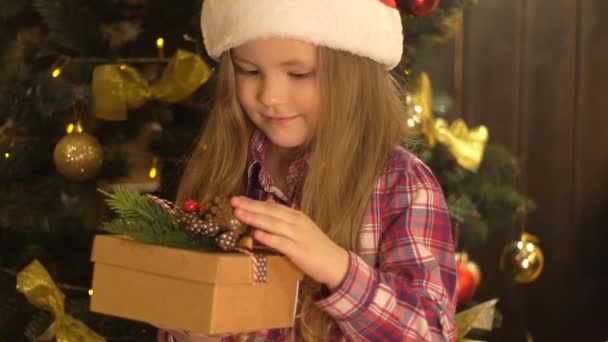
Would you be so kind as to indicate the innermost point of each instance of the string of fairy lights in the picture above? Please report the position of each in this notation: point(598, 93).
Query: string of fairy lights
point(75, 125)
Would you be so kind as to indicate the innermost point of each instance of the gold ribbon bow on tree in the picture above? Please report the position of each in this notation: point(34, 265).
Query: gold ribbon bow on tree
point(118, 88)
point(40, 290)
point(466, 145)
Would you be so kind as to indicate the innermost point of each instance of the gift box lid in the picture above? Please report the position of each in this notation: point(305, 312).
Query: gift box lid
point(198, 266)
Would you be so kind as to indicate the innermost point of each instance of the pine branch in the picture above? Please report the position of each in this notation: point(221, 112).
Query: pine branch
point(140, 231)
point(131, 205)
point(51, 209)
point(146, 221)
point(471, 228)
point(71, 25)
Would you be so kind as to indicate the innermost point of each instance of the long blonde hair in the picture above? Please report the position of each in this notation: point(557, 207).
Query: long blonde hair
point(361, 122)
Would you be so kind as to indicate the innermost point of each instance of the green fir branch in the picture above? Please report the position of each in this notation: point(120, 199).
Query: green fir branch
point(433, 27)
point(484, 201)
point(131, 205)
point(145, 220)
point(71, 25)
point(471, 228)
point(140, 231)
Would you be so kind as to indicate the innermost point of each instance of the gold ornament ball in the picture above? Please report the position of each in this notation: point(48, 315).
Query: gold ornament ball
point(523, 260)
point(78, 156)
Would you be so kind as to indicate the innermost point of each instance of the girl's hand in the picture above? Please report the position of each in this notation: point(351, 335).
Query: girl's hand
point(292, 233)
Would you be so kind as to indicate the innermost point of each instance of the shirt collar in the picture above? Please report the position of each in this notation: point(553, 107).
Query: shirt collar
point(257, 146)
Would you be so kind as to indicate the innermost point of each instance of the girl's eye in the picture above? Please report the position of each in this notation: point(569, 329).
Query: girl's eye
point(250, 72)
point(300, 75)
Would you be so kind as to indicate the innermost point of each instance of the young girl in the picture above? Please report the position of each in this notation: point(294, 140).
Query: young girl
point(305, 132)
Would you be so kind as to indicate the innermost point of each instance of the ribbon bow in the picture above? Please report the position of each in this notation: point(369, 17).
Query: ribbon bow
point(40, 290)
point(118, 88)
point(466, 145)
point(481, 317)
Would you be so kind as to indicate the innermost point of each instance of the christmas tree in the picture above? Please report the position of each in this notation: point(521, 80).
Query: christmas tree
point(59, 58)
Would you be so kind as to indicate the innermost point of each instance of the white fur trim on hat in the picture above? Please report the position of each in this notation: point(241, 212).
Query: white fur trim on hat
point(366, 28)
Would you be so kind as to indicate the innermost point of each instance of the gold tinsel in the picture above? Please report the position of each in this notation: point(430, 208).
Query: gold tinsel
point(466, 145)
point(40, 290)
point(118, 88)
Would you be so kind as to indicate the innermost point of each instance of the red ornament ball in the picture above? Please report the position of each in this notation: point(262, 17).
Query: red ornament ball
point(466, 284)
point(389, 3)
point(190, 206)
point(421, 8)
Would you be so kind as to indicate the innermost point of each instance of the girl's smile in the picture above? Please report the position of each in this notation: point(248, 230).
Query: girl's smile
point(281, 121)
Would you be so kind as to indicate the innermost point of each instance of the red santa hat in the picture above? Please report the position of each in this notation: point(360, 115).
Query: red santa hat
point(368, 28)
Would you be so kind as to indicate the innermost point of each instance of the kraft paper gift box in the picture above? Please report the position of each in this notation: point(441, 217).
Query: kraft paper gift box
point(204, 292)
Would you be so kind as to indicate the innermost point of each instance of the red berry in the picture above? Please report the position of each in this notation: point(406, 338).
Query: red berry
point(190, 206)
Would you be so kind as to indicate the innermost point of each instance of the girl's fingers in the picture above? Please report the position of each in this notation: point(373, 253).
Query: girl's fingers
point(266, 208)
point(280, 243)
point(264, 222)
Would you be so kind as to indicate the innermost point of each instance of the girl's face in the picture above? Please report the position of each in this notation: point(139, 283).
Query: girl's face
point(277, 87)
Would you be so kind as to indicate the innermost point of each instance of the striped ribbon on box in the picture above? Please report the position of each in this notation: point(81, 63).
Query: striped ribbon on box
point(259, 260)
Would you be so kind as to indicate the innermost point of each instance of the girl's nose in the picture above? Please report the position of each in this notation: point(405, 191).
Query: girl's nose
point(273, 92)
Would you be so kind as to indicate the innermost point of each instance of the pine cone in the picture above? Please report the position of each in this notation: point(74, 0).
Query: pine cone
point(227, 240)
point(221, 211)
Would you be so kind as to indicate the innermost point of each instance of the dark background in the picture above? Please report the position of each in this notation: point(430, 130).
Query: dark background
point(535, 72)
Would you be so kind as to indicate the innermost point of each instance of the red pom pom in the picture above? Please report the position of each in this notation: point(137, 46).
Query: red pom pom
point(190, 206)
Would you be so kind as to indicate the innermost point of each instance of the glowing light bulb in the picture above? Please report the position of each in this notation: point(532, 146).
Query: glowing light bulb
point(153, 169)
point(530, 247)
point(153, 172)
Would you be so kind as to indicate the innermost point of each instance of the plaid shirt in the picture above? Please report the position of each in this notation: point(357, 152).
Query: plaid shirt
point(401, 284)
